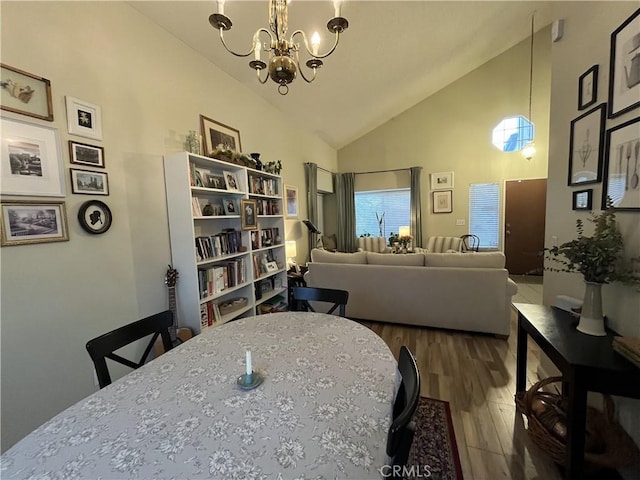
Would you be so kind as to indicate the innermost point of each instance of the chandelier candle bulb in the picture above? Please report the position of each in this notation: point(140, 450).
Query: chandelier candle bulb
point(221, 7)
point(257, 49)
point(336, 7)
point(249, 367)
point(315, 42)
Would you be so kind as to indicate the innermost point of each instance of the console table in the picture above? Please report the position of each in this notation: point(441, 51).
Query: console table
point(587, 363)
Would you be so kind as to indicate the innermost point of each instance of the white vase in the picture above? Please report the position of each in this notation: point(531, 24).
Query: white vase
point(591, 319)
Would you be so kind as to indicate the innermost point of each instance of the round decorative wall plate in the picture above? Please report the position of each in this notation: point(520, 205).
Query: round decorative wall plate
point(94, 216)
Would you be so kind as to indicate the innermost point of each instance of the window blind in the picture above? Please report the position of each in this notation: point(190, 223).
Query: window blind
point(394, 204)
point(484, 213)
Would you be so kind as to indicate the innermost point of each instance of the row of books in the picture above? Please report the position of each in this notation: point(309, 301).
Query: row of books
point(217, 278)
point(265, 237)
point(227, 242)
point(263, 186)
point(209, 314)
point(268, 207)
point(273, 305)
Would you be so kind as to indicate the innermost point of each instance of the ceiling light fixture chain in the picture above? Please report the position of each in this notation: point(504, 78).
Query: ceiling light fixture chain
point(284, 60)
point(530, 150)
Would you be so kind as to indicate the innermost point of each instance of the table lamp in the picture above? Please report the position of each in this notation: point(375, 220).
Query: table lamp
point(291, 251)
point(402, 231)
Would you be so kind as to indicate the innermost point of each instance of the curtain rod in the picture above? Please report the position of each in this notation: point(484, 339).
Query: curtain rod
point(384, 171)
point(320, 168)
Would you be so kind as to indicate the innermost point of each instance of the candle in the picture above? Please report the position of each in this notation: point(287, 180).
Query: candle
point(315, 44)
point(336, 7)
point(257, 49)
point(221, 7)
point(249, 368)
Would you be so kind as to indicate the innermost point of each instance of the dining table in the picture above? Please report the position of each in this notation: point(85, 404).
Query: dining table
point(323, 409)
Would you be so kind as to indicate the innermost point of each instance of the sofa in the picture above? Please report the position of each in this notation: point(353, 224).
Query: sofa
point(459, 291)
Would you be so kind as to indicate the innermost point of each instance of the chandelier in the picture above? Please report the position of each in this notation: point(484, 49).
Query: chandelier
point(283, 61)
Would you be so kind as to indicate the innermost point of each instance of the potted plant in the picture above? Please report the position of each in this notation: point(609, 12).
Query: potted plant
point(600, 259)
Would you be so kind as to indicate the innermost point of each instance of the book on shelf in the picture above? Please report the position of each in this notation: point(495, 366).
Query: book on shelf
point(273, 305)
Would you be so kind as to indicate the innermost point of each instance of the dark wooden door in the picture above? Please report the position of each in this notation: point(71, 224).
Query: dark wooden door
point(524, 212)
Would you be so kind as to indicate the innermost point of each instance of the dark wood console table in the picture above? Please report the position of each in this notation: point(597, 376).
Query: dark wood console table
point(587, 363)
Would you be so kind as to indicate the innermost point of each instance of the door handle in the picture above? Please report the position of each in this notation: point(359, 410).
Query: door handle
point(508, 232)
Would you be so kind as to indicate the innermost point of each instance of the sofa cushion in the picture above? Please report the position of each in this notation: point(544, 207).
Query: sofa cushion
point(472, 260)
point(324, 256)
point(444, 244)
point(407, 260)
point(330, 242)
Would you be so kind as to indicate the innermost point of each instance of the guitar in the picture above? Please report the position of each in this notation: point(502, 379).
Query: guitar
point(178, 335)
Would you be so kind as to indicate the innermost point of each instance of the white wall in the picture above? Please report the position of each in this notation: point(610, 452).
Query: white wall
point(451, 131)
point(586, 42)
point(152, 89)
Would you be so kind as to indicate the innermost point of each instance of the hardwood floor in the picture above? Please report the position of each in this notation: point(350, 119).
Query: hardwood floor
point(475, 373)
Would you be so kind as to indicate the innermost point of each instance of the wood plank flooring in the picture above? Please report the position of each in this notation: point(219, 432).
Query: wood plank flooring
point(475, 373)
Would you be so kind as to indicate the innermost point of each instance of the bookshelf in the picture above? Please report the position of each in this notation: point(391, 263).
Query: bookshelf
point(225, 272)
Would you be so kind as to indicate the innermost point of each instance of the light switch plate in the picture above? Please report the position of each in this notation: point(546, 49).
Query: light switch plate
point(460, 221)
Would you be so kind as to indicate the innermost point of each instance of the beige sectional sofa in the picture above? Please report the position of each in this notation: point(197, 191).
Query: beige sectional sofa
point(460, 291)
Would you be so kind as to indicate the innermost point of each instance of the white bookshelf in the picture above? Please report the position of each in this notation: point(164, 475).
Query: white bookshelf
point(186, 224)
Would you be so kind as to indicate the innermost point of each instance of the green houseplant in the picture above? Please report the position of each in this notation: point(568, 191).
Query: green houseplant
point(600, 259)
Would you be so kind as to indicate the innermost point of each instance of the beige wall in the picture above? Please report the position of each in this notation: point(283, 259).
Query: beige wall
point(588, 27)
point(451, 131)
point(151, 88)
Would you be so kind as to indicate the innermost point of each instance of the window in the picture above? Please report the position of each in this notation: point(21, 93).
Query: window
point(484, 214)
point(394, 204)
point(512, 134)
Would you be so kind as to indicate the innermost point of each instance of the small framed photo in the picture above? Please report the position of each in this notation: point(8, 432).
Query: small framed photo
point(272, 267)
point(84, 119)
point(588, 88)
point(249, 209)
point(586, 147)
point(86, 182)
point(26, 222)
point(622, 166)
point(441, 181)
point(230, 206)
point(31, 160)
point(84, 154)
point(291, 201)
point(231, 181)
point(582, 199)
point(25, 93)
point(624, 67)
point(213, 180)
point(219, 136)
point(442, 201)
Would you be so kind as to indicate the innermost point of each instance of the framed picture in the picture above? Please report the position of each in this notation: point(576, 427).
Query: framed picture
point(26, 222)
point(95, 217)
point(230, 206)
point(582, 199)
point(213, 180)
point(622, 166)
point(87, 182)
point(588, 88)
point(218, 135)
point(272, 267)
point(31, 160)
point(586, 147)
point(441, 181)
point(624, 67)
point(25, 93)
point(231, 181)
point(248, 215)
point(442, 201)
point(84, 119)
point(291, 201)
point(84, 154)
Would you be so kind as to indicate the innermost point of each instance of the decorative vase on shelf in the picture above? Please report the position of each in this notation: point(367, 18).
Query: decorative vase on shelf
point(256, 157)
point(591, 319)
point(192, 142)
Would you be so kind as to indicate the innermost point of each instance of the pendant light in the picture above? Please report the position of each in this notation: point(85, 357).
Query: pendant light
point(530, 150)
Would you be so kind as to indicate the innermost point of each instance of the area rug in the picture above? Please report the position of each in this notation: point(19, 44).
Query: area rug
point(434, 448)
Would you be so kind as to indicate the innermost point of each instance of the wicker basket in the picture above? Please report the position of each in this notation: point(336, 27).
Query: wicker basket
point(612, 446)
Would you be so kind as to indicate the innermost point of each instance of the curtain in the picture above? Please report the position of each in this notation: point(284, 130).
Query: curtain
point(416, 207)
point(311, 172)
point(345, 188)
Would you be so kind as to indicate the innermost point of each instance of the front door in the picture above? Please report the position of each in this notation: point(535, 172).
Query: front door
point(524, 212)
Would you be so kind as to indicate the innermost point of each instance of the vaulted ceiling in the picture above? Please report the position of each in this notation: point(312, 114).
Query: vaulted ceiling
point(393, 55)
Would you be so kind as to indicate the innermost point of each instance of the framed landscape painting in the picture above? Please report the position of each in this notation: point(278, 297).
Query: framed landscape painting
point(88, 182)
point(31, 160)
point(217, 135)
point(291, 201)
point(84, 154)
point(26, 222)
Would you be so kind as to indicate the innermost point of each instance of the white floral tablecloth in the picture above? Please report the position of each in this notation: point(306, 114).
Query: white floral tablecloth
point(323, 410)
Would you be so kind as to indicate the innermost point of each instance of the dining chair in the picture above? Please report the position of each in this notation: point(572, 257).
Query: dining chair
point(402, 429)
point(303, 295)
point(470, 243)
point(104, 346)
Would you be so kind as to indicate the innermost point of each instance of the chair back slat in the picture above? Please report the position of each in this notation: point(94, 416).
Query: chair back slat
point(303, 295)
point(105, 345)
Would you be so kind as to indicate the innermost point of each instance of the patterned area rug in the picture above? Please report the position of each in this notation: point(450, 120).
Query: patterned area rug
point(434, 446)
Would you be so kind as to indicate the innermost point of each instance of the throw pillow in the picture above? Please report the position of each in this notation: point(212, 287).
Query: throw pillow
point(324, 256)
point(330, 242)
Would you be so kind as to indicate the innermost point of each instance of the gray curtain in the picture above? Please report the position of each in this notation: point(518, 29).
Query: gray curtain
point(345, 195)
point(311, 172)
point(416, 207)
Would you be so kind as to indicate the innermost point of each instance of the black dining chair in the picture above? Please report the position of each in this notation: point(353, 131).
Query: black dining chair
point(104, 346)
point(470, 243)
point(303, 295)
point(402, 429)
